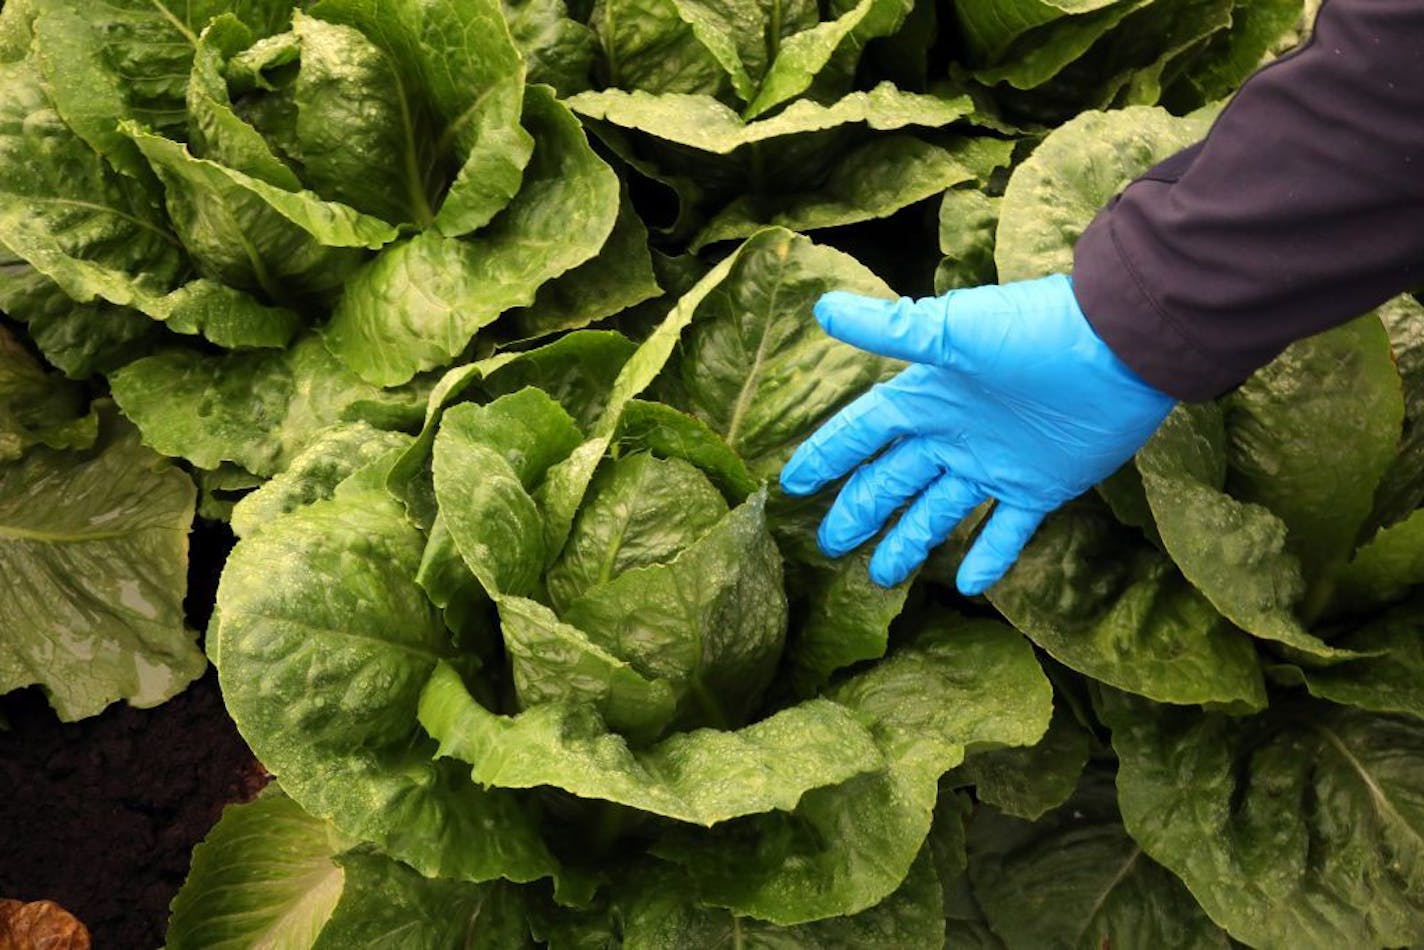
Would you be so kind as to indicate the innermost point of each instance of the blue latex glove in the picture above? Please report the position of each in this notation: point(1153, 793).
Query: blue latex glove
point(1013, 397)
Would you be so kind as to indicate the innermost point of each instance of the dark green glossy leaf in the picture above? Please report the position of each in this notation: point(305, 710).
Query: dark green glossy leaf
point(1076, 879)
point(1027, 782)
point(1219, 801)
point(1104, 602)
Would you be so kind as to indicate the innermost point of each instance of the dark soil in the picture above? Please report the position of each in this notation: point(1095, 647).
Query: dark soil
point(101, 815)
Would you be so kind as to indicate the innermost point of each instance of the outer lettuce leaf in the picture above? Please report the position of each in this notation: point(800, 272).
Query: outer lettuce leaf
point(1104, 602)
point(703, 123)
point(1401, 490)
point(37, 408)
point(968, 219)
point(1384, 570)
point(990, 28)
point(1390, 676)
point(1089, 885)
point(56, 192)
point(1233, 551)
point(258, 409)
point(619, 277)
point(269, 874)
point(226, 316)
point(847, 847)
point(265, 874)
point(1257, 29)
point(1027, 782)
point(657, 912)
point(872, 181)
point(462, 59)
point(1338, 389)
point(1056, 192)
point(385, 903)
point(420, 303)
point(320, 608)
point(1219, 802)
point(95, 545)
point(702, 777)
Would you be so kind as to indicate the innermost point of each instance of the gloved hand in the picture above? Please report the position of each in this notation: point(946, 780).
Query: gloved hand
point(1013, 397)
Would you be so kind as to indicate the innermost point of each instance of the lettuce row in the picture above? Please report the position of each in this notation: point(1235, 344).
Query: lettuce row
point(518, 618)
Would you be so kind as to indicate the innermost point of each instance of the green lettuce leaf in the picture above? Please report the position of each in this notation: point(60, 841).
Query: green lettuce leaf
point(249, 234)
point(703, 777)
point(1235, 552)
point(558, 51)
point(1389, 678)
point(1338, 389)
point(1401, 490)
point(873, 181)
point(1076, 879)
point(95, 545)
point(420, 303)
point(641, 510)
point(266, 873)
point(847, 847)
point(657, 912)
point(755, 365)
point(462, 60)
point(711, 621)
point(1385, 570)
point(320, 608)
point(620, 276)
point(703, 123)
point(38, 408)
point(314, 473)
point(58, 197)
point(216, 132)
point(1101, 600)
point(258, 408)
point(1056, 192)
point(1027, 782)
point(1219, 802)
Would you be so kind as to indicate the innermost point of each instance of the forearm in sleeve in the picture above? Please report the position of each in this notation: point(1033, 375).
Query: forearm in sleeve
point(1303, 208)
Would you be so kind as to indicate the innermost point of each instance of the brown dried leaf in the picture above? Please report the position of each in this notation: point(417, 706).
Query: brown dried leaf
point(40, 925)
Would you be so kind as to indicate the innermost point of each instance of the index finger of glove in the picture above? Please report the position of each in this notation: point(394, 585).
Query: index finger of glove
point(853, 435)
point(905, 329)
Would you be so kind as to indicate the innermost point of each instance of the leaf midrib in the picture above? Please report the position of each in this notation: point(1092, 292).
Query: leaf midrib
point(1382, 803)
point(744, 396)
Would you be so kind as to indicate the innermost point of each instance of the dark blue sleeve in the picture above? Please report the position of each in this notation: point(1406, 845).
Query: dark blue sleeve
point(1303, 208)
